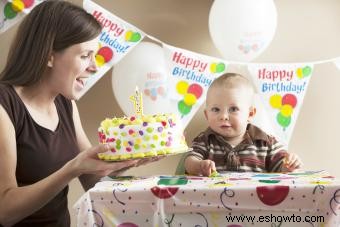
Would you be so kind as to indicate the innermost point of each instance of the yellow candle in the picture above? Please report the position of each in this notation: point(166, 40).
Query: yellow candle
point(137, 100)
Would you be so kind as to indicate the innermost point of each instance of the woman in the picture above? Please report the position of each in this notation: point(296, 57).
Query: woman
point(41, 136)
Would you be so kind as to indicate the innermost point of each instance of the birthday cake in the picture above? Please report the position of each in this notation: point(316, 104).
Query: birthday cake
point(142, 136)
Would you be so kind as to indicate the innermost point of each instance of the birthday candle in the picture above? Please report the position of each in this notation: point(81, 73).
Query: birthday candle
point(137, 100)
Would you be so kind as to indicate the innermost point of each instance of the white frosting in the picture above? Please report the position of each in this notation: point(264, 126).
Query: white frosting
point(139, 137)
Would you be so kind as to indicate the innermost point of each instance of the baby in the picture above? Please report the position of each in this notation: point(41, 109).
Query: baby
point(231, 143)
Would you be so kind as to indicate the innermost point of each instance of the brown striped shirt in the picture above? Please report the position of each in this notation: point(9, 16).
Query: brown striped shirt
point(258, 152)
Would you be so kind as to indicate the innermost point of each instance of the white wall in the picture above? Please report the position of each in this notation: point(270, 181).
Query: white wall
point(308, 30)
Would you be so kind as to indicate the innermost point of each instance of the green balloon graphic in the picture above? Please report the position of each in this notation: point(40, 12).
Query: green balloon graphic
point(173, 181)
point(306, 71)
point(135, 37)
point(9, 12)
point(220, 67)
point(183, 108)
point(282, 120)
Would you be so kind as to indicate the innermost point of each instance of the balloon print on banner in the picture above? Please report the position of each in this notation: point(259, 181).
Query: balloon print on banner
point(145, 68)
point(190, 76)
point(13, 10)
point(115, 41)
point(281, 88)
point(242, 29)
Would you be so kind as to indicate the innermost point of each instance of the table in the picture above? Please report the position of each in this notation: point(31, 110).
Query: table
point(310, 198)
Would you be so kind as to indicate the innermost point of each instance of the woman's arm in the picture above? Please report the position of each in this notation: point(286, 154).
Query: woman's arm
point(86, 180)
point(89, 180)
point(18, 202)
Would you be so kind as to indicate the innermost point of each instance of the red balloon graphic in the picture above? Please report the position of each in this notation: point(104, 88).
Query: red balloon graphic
point(289, 99)
point(272, 195)
point(164, 193)
point(106, 52)
point(28, 3)
point(196, 90)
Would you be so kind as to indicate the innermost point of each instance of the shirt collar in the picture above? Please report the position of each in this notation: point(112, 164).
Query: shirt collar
point(253, 134)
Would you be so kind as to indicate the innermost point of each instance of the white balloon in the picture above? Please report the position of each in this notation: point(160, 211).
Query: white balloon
point(144, 67)
point(242, 29)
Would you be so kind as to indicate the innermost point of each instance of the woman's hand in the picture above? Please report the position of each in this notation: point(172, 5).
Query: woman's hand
point(87, 162)
point(145, 161)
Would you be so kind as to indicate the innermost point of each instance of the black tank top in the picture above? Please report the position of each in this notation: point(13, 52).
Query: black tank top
point(41, 152)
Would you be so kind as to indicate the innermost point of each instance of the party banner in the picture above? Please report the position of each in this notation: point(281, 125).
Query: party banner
point(11, 11)
point(116, 40)
point(190, 75)
point(282, 88)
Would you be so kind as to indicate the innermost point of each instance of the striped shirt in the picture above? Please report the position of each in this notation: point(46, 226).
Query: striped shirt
point(258, 152)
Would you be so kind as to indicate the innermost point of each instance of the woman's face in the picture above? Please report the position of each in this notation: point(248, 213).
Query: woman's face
point(69, 69)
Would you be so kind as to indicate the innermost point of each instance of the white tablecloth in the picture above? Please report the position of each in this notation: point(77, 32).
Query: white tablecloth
point(308, 199)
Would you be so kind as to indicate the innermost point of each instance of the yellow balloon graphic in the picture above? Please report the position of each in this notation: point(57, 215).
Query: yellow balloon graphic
point(128, 35)
point(286, 110)
point(213, 67)
point(18, 5)
point(182, 87)
point(275, 101)
point(299, 73)
point(100, 60)
point(190, 99)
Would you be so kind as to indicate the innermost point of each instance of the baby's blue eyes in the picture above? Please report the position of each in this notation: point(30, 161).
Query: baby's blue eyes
point(215, 109)
point(232, 109)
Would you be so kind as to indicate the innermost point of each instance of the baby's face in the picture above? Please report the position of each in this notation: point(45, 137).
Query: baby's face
point(228, 111)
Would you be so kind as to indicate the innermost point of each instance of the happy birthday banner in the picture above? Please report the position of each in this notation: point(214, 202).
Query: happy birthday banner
point(116, 40)
point(11, 11)
point(190, 75)
point(282, 88)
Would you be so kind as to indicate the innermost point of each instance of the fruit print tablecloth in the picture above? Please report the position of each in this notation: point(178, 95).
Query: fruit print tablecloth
point(310, 198)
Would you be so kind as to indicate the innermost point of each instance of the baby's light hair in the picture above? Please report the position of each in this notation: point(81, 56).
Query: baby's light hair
point(232, 80)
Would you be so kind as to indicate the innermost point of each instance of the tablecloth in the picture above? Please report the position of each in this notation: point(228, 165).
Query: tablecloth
point(233, 199)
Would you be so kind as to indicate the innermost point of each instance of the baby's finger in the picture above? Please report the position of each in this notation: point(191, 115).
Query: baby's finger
point(297, 164)
point(212, 166)
point(288, 160)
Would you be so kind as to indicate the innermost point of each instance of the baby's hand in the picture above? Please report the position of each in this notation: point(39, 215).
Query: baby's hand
point(291, 162)
point(207, 167)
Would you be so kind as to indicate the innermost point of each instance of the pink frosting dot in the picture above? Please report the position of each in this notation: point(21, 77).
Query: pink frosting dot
point(131, 131)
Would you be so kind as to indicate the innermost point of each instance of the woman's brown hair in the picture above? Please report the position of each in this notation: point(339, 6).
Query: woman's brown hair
point(53, 25)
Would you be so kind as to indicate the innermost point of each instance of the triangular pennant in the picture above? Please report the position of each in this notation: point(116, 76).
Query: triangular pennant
point(13, 11)
point(190, 75)
point(281, 88)
point(116, 40)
